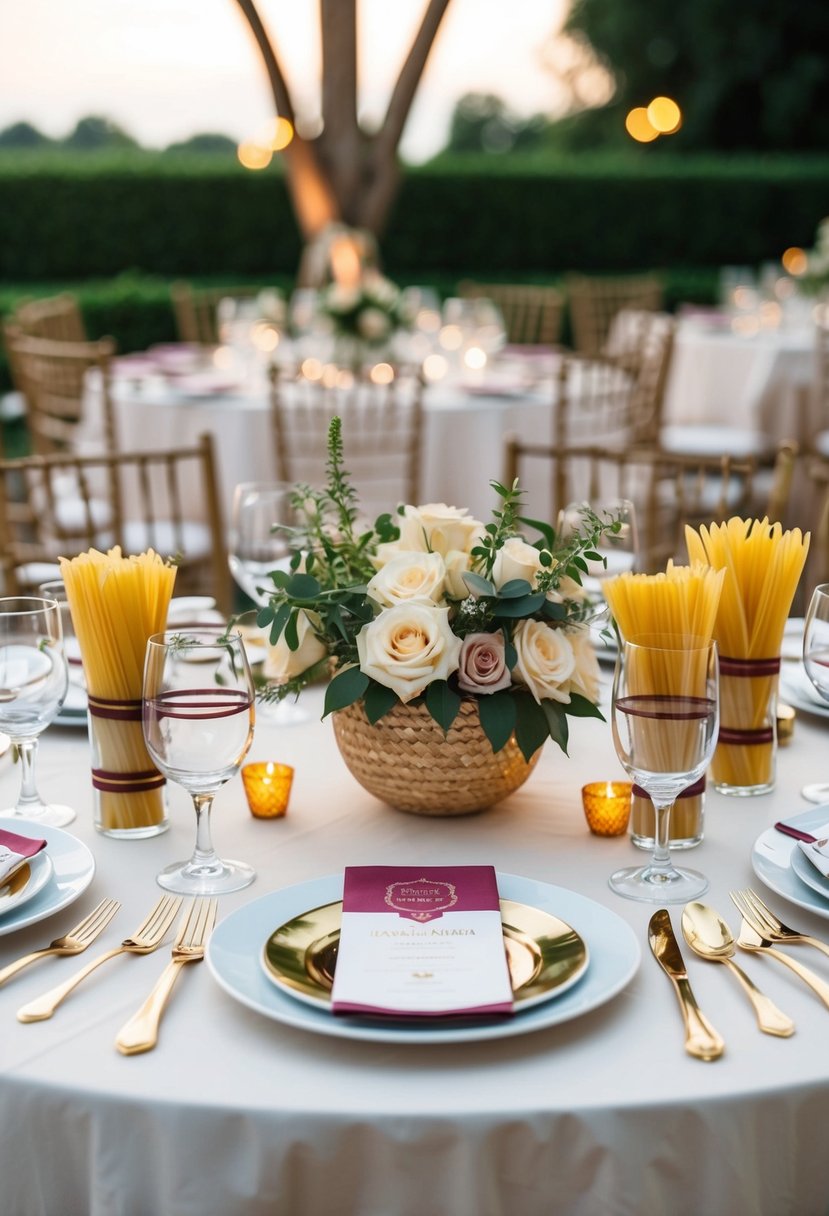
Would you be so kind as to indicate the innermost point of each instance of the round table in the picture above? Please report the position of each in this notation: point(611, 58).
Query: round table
point(236, 1115)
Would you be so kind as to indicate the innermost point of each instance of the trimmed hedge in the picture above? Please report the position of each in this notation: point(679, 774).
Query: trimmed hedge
point(78, 219)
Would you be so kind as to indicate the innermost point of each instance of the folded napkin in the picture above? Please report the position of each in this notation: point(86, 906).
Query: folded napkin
point(817, 855)
point(421, 941)
point(15, 851)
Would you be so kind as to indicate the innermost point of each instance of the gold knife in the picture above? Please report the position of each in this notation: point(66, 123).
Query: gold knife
point(701, 1039)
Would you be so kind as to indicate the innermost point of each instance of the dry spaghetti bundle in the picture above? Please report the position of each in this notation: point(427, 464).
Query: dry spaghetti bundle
point(117, 603)
point(676, 610)
point(762, 565)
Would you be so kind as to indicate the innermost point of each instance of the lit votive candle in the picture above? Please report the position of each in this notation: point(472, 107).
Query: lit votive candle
point(267, 787)
point(607, 806)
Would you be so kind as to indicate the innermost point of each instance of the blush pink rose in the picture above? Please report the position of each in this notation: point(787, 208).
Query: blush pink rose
point(482, 667)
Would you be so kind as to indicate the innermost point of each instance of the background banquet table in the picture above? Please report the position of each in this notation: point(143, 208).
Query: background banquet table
point(236, 1114)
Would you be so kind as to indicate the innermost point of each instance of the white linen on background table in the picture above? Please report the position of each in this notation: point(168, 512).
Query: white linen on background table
point(234, 1115)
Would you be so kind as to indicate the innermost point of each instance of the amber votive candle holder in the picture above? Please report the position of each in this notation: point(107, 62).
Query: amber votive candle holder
point(267, 788)
point(607, 806)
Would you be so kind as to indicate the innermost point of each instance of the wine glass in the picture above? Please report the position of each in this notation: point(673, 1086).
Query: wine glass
point(198, 715)
point(665, 719)
point(816, 663)
point(33, 684)
point(259, 544)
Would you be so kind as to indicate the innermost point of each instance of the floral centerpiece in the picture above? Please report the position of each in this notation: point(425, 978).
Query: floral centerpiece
point(434, 611)
point(371, 311)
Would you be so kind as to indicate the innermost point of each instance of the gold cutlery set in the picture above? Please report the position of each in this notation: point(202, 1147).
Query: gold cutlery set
point(709, 936)
point(140, 1033)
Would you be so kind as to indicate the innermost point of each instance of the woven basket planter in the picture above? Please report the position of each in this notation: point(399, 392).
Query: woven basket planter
point(405, 760)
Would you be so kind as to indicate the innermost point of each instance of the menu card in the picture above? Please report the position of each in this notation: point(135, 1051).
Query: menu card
point(421, 941)
point(15, 851)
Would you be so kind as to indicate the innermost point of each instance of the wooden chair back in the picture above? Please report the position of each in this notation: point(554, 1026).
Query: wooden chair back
point(172, 506)
point(196, 310)
point(532, 315)
point(57, 317)
point(595, 301)
point(381, 427)
point(53, 377)
point(667, 490)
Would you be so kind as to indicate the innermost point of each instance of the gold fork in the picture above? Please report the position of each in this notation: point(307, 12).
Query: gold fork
point(148, 937)
point(770, 926)
point(140, 1033)
point(750, 939)
point(74, 942)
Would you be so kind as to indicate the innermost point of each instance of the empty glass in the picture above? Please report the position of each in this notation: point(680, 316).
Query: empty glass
point(665, 718)
point(198, 715)
point(33, 683)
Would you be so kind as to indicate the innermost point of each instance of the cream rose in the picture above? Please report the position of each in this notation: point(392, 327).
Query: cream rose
point(586, 675)
point(516, 559)
point(282, 663)
point(456, 564)
point(409, 578)
point(545, 660)
point(439, 528)
point(568, 589)
point(406, 647)
point(483, 666)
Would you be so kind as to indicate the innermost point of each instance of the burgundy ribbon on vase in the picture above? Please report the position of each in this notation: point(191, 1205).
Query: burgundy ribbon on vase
point(747, 669)
point(136, 782)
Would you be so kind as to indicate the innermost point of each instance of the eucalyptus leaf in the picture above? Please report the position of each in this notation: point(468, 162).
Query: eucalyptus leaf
point(524, 606)
point(531, 727)
point(476, 582)
point(280, 620)
point(302, 587)
point(514, 588)
point(346, 688)
point(443, 703)
point(291, 629)
point(497, 714)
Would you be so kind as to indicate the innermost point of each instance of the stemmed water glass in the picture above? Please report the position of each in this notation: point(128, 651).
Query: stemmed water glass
point(816, 663)
point(665, 719)
point(259, 544)
point(33, 683)
point(198, 715)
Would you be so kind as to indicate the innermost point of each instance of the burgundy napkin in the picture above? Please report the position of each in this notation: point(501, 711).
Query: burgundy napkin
point(15, 850)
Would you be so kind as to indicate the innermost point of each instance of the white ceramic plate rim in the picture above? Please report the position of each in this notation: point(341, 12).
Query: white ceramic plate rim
point(324, 1002)
point(40, 871)
point(807, 873)
point(771, 861)
point(233, 958)
point(74, 869)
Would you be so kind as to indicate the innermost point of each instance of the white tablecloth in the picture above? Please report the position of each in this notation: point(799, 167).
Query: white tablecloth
point(235, 1115)
point(759, 383)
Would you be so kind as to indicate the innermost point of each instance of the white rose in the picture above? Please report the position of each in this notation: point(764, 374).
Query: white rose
point(439, 528)
point(516, 559)
point(373, 324)
point(406, 647)
point(282, 663)
point(386, 551)
point(586, 675)
point(545, 660)
point(456, 564)
point(568, 589)
point(409, 578)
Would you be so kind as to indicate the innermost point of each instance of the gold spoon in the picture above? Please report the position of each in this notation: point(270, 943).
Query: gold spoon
point(710, 937)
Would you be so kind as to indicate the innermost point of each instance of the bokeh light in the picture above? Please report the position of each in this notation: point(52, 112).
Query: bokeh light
point(253, 155)
point(664, 115)
point(638, 126)
point(795, 261)
point(281, 134)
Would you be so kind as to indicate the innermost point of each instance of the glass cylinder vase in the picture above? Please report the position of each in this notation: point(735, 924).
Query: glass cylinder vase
point(686, 823)
point(128, 790)
point(745, 762)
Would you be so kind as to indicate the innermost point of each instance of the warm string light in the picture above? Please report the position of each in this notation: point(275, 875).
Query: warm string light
point(662, 116)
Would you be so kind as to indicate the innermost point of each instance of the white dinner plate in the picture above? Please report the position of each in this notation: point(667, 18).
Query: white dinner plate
point(807, 873)
point(40, 871)
point(234, 950)
point(73, 871)
point(797, 690)
point(771, 860)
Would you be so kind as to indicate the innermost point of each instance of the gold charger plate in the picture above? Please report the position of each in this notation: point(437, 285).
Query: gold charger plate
point(545, 955)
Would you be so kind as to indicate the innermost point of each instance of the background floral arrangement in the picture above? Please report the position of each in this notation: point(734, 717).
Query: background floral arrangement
point(371, 311)
point(432, 604)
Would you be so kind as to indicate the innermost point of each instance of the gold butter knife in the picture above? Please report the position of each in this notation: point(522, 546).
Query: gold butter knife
point(701, 1039)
